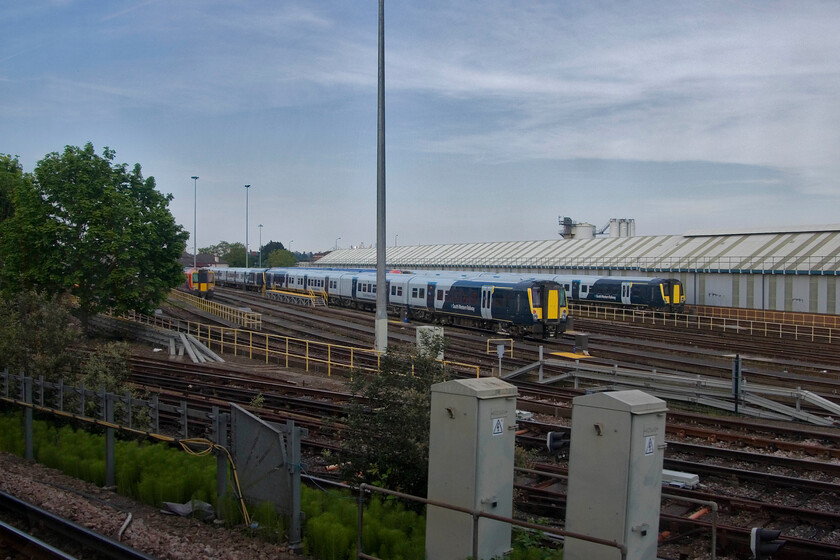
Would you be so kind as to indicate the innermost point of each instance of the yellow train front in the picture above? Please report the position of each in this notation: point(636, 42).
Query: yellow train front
point(200, 282)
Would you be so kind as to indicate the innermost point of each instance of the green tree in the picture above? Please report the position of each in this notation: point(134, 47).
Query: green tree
point(93, 228)
point(36, 335)
point(235, 255)
point(11, 178)
point(281, 257)
point(386, 438)
point(272, 246)
point(232, 253)
point(220, 249)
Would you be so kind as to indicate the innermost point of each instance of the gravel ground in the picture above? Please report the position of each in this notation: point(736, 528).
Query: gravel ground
point(150, 531)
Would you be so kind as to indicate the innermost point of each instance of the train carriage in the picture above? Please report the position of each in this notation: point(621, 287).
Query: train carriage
point(511, 305)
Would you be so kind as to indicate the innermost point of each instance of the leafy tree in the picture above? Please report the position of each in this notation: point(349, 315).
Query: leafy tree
point(272, 246)
point(36, 334)
point(386, 439)
point(235, 255)
point(93, 228)
point(11, 177)
point(108, 367)
point(281, 257)
point(231, 253)
point(220, 249)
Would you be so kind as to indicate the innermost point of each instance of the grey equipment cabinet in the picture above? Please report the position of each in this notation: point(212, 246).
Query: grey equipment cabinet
point(615, 474)
point(473, 431)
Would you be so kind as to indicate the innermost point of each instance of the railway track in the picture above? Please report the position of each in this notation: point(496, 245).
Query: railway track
point(38, 534)
point(798, 462)
point(540, 493)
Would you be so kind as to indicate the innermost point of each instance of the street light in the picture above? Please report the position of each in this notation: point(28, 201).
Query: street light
point(336, 242)
point(247, 188)
point(195, 214)
point(260, 226)
point(395, 239)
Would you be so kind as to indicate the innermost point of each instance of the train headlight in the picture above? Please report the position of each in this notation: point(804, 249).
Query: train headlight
point(563, 315)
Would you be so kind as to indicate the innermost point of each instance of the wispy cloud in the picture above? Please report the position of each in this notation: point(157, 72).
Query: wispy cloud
point(738, 96)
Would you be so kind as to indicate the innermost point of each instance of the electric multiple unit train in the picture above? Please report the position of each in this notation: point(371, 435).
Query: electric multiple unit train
point(518, 306)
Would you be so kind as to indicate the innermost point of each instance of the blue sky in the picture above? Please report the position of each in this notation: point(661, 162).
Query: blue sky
point(501, 115)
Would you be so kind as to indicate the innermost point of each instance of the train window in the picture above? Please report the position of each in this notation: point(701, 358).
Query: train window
point(440, 295)
point(413, 292)
point(393, 290)
point(399, 290)
point(498, 299)
point(536, 297)
point(421, 293)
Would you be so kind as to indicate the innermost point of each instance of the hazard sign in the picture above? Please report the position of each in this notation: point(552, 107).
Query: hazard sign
point(498, 426)
point(650, 445)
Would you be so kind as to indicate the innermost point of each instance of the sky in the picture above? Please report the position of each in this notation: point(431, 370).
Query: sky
point(501, 115)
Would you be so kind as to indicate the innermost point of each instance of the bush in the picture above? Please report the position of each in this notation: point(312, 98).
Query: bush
point(390, 530)
point(150, 473)
point(386, 438)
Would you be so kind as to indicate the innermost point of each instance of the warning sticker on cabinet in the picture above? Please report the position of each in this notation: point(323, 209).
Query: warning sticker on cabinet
point(498, 426)
point(650, 445)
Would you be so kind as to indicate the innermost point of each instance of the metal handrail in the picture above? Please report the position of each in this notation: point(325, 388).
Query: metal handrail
point(247, 319)
point(812, 333)
point(476, 515)
point(247, 342)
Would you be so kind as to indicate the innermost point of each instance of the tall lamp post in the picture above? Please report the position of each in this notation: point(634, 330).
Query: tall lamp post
point(247, 188)
point(381, 325)
point(260, 226)
point(195, 215)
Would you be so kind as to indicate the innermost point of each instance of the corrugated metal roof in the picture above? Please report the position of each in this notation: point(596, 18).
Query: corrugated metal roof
point(802, 250)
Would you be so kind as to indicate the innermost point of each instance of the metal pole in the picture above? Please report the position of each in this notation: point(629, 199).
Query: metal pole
point(247, 188)
point(110, 433)
point(260, 226)
point(195, 221)
point(29, 441)
point(381, 326)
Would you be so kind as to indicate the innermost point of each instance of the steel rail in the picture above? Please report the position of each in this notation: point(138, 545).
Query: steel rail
point(90, 540)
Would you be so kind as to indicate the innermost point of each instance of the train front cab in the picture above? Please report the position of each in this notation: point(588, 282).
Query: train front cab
point(548, 308)
point(200, 282)
point(674, 295)
point(205, 281)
